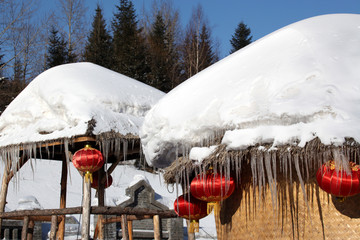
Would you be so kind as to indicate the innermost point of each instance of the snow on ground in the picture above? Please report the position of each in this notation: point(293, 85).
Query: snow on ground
point(62, 100)
point(289, 87)
point(37, 185)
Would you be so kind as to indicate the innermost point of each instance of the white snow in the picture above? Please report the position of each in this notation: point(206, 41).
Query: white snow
point(200, 153)
point(137, 178)
point(28, 203)
point(289, 87)
point(62, 100)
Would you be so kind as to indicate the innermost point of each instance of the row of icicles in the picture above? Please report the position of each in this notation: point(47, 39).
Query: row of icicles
point(208, 189)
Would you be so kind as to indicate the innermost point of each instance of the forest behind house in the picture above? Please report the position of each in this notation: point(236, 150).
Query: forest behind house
point(152, 47)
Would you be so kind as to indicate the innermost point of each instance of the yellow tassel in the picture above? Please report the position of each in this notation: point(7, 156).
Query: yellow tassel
point(88, 176)
point(194, 226)
point(212, 206)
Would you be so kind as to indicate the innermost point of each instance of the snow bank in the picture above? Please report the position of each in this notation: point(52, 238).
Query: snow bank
point(62, 100)
point(289, 87)
point(28, 203)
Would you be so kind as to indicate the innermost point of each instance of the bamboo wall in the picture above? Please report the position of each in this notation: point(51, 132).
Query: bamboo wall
point(288, 216)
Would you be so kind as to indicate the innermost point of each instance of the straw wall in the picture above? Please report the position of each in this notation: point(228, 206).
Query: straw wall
point(287, 216)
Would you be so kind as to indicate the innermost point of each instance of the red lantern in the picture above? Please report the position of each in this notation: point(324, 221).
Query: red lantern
point(192, 209)
point(339, 183)
point(95, 183)
point(211, 188)
point(88, 160)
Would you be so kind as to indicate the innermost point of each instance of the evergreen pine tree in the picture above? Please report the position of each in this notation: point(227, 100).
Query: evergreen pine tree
point(98, 49)
point(241, 37)
point(130, 52)
point(161, 56)
point(207, 55)
point(57, 53)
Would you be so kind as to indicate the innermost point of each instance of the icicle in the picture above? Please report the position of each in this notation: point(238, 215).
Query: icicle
point(125, 148)
point(267, 157)
point(296, 161)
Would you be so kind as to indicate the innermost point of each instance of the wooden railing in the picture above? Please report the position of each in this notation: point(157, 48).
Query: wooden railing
point(124, 215)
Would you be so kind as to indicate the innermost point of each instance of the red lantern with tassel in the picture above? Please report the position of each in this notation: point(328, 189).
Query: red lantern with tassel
point(339, 183)
point(88, 160)
point(212, 188)
point(192, 209)
point(95, 183)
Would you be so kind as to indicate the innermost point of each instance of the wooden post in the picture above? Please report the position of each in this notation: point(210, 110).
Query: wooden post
point(61, 228)
point(30, 231)
point(124, 227)
point(25, 228)
point(191, 236)
point(130, 229)
point(101, 202)
point(4, 189)
point(53, 227)
point(85, 217)
point(157, 232)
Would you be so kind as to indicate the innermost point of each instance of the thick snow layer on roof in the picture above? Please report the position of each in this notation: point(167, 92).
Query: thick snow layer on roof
point(289, 87)
point(62, 100)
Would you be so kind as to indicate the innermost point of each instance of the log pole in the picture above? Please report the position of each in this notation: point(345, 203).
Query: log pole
point(101, 202)
point(124, 227)
point(130, 229)
point(61, 229)
point(4, 189)
point(25, 228)
point(85, 217)
point(157, 232)
point(30, 231)
point(53, 227)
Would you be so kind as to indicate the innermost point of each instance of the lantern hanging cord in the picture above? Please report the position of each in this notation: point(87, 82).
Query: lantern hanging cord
point(88, 175)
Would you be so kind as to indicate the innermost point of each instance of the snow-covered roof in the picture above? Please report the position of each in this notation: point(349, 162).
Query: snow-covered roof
point(74, 100)
point(296, 84)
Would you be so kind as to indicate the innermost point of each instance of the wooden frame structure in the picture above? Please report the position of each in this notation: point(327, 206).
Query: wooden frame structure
point(57, 216)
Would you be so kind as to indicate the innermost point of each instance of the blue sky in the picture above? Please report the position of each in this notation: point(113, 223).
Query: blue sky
point(261, 16)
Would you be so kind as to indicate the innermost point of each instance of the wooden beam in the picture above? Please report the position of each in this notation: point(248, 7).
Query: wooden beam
point(61, 229)
point(118, 160)
point(75, 140)
point(157, 232)
point(36, 218)
point(129, 218)
point(94, 210)
point(23, 159)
